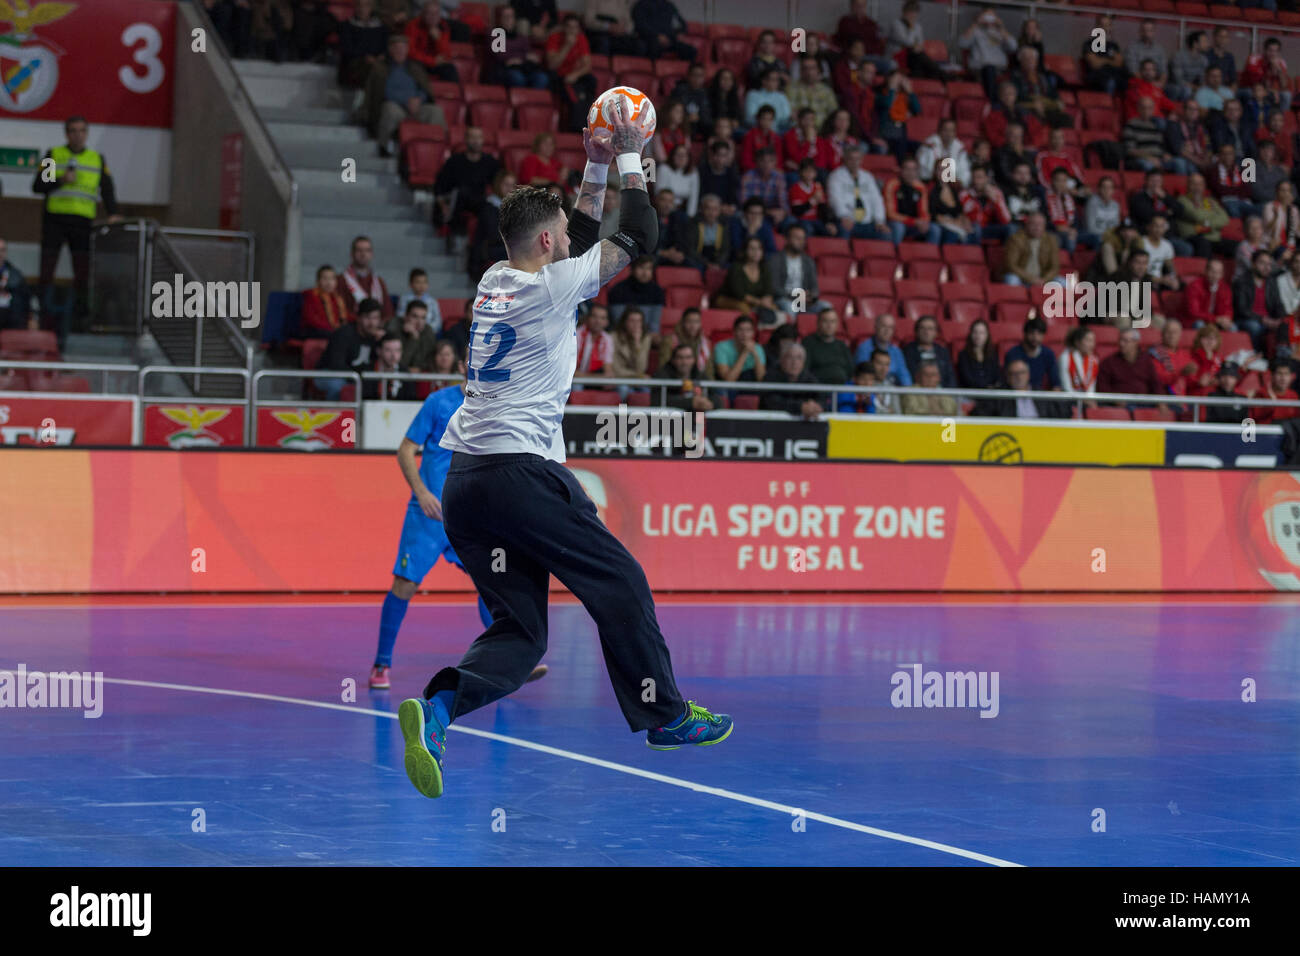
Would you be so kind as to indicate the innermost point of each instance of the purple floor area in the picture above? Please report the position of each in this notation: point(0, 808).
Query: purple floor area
point(1121, 737)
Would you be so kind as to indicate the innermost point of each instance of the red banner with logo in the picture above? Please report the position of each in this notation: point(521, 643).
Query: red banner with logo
point(306, 429)
point(110, 62)
point(66, 421)
point(194, 426)
point(129, 521)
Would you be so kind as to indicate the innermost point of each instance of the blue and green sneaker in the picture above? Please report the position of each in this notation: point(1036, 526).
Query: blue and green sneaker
point(426, 742)
point(697, 727)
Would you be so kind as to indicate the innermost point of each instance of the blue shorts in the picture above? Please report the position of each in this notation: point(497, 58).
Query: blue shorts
point(424, 540)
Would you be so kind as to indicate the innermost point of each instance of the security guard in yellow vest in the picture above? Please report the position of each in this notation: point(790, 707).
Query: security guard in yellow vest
point(72, 197)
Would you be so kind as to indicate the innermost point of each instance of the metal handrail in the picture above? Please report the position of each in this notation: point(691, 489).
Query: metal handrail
point(248, 237)
point(189, 370)
point(306, 373)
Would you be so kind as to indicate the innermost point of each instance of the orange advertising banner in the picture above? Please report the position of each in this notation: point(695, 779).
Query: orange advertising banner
point(138, 520)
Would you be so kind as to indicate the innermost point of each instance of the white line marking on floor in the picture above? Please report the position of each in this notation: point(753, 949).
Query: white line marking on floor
point(1264, 600)
point(595, 762)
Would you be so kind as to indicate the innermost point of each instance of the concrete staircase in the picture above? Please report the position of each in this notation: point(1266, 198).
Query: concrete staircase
point(309, 117)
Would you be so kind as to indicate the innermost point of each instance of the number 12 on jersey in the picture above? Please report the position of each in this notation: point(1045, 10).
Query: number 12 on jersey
point(504, 336)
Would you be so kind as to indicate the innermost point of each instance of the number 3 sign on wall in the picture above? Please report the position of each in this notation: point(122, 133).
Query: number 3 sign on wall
point(55, 63)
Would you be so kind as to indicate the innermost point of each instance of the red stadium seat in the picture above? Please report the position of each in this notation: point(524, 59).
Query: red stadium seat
point(953, 254)
point(959, 89)
point(916, 308)
point(484, 92)
point(961, 292)
point(871, 306)
point(871, 285)
point(423, 160)
point(921, 127)
point(872, 249)
point(912, 251)
point(882, 268)
point(683, 297)
point(914, 289)
point(29, 345)
point(1107, 413)
point(491, 113)
point(832, 265)
point(966, 312)
point(467, 70)
point(410, 131)
point(1012, 313)
point(538, 117)
point(1064, 66)
point(312, 350)
point(1161, 413)
point(668, 276)
point(525, 96)
point(1101, 118)
point(594, 396)
point(927, 270)
point(819, 246)
point(718, 320)
point(969, 273)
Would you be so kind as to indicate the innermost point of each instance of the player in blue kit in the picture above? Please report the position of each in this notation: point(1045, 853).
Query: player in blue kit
point(515, 514)
point(424, 539)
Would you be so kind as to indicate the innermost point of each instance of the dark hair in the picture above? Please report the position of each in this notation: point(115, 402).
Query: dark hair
point(1278, 363)
point(1259, 252)
point(415, 304)
point(751, 202)
point(1035, 325)
point(367, 306)
point(1194, 38)
point(688, 310)
point(390, 337)
point(643, 260)
point(73, 119)
point(525, 211)
point(743, 318)
point(807, 164)
point(794, 225)
point(807, 110)
point(360, 239)
point(1075, 336)
point(989, 348)
point(767, 108)
point(1272, 41)
point(1153, 62)
point(862, 368)
point(875, 352)
point(765, 152)
point(417, 271)
point(321, 269)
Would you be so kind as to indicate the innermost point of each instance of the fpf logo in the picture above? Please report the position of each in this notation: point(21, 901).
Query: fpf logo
point(488, 303)
point(29, 65)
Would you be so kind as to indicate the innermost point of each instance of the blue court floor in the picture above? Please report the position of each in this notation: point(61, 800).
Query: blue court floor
point(1131, 710)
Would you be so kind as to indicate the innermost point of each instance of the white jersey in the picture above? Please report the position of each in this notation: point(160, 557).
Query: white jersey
point(522, 354)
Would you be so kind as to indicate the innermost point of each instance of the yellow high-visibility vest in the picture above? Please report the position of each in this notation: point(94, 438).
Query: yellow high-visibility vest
point(81, 198)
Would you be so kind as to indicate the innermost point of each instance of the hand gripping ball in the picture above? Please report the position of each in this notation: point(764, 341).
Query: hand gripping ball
point(635, 104)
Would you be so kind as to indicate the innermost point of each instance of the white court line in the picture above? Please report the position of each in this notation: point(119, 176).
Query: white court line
point(1266, 599)
point(595, 762)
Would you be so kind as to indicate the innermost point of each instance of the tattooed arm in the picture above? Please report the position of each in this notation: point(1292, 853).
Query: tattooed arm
point(638, 223)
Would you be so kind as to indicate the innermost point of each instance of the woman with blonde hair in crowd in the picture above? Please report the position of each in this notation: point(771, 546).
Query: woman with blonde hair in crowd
point(631, 350)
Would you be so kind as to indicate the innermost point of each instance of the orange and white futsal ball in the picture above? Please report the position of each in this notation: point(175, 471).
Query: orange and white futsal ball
point(636, 105)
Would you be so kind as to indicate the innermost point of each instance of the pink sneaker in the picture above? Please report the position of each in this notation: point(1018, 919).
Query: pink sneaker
point(379, 678)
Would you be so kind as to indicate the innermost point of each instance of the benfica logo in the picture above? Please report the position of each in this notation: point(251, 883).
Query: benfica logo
point(305, 437)
point(195, 433)
point(29, 65)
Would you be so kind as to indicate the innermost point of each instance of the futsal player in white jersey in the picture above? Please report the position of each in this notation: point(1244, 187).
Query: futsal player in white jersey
point(512, 511)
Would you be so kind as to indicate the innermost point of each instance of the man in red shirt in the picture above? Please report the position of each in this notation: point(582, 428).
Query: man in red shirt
point(1209, 298)
point(1130, 371)
point(856, 25)
point(985, 206)
point(1146, 84)
point(568, 56)
point(1268, 71)
point(1172, 363)
point(1277, 386)
point(431, 43)
point(1055, 157)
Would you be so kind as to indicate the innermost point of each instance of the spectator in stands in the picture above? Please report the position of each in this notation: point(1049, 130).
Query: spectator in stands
point(692, 91)
point(1129, 371)
point(680, 176)
point(1146, 48)
point(632, 343)
point(458, 334)
point(1044, 370)
point(595, 346)
point(1187, 139)
point(1160, 252)
point(1252, 241)
point(1277, 387)
point(740, 358)
point(361, 282)
point(828, 356)
point(416, 331)
point(881, 403)
point(1200, 219)
point(802, 143)
point(1233, 129)
point(462, 184)
point(1275, 133)
point(752, 222)
point(977, 362)
point(843, 131)
point(894, 107)
point(1079, 363)
point(765, 59)
point(1024, 196)
point(1018, 378)
point(1282, 300)
point(1220, 57)
point(907, 206)
point(689, 333)
point(1102, 213)
point(1214, 94)
point(766, 182)
point(1136, 272)
point(1056, 157)
point(749, 288)
point(761, 136)
point(719, 176)
point(1003, 112)
point(907, 43)
point(1103, 69)
point(1207, 358)
point(1035, 91)
point(811, 92)
point(351, 347)
point(988, 43)
point(1146, 85)
point(542, 166)
point(857, 88)
point(705, 238)
point(1229, 184)
point(985, 208)
point(673, 130)
point(792, 270)
point(15, 300)
point(312, 24)
point(1152, 200)
point(882, 340)
point(926, 348)
point(860, 403)
point(362, 42)
point(398, 89)
point(857, 26)
point(1144, 141)
point(928, 375)
point(1268, 176)
point(1173, 364)
point(418, 280)
point(515, 64)
point(1282, 222)
point(388, 358)
point(768, 94)
point(855, 199)
point(724, 97)
point(641, 291)
point(537, 17)
point(1013, 153)
point(1270, 71)
point(781, 338)
point(608, 25)
point(658, 26)
point(486, 246)
point(1226, 383)
point(430, 42)
point(1063, 214)
point(1250, 309)
point(568, 57)
point(689, 397)
point(1187, 69)
point(1113, 252)
point(806, 405)
point(946, 208)
point(669, 250)
point(1209, 299)
point(944, 151)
